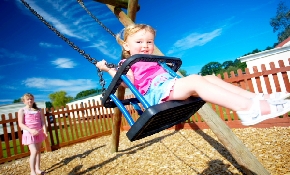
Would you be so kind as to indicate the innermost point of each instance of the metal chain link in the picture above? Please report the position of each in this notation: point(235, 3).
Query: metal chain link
point(82, 52)
point(95, 18)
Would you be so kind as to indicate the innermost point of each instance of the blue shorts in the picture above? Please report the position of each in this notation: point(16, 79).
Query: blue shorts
point(160, 89)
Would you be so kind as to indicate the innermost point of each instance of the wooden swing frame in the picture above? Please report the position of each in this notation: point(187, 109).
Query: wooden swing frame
point(153, 118)
point(239, 151)
point(235, 146)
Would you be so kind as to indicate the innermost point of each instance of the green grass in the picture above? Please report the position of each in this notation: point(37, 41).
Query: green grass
point(4, 149)
point(82, 127)
point(226, 117)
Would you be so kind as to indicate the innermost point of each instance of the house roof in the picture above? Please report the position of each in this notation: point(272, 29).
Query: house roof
point(280, 48)
point(88, 96)
point(265, 53)
point(284, 43)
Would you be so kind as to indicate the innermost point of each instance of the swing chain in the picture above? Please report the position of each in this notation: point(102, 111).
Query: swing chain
point(81, 52)
point(95, 18)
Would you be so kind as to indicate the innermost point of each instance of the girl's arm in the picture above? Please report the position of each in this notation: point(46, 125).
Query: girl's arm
point(21, 122)
point(43, 123)
point(102, 66)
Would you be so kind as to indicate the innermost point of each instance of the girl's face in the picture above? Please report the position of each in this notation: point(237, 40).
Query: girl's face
point(28, 101)
point(141, 42)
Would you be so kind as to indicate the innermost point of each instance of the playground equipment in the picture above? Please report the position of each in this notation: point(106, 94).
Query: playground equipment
point(239, 151)
point(154, 118)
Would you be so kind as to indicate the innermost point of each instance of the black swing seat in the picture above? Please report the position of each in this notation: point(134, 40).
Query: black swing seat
point(157, 117)
point(163, 116)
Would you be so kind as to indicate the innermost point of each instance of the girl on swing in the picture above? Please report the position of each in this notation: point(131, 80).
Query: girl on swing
point(157, 86)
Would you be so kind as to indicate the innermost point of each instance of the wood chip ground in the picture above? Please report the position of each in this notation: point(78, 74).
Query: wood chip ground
point(168, 152)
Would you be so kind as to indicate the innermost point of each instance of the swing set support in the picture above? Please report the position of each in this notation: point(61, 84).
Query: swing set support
point(248, 162)
point(116, 128)
point(239, 151)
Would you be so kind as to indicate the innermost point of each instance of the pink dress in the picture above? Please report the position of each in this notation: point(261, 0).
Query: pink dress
point(32, 119)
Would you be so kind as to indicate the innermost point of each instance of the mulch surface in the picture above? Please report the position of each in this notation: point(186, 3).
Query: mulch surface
point(168, 152)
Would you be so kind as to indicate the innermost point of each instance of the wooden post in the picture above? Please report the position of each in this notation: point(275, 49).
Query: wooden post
point(235, 146)
point(46, 141)
point(117, 122)
point(132, 9)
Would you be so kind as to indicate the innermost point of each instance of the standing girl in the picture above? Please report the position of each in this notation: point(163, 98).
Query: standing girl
point(158, 86)
point(31, 121)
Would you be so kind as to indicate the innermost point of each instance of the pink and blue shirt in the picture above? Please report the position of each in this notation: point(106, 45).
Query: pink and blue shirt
point(144, 73)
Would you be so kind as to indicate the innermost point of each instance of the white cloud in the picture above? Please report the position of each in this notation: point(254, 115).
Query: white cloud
point(5, 100)
point(72, 21)
point(4, 53)
point(59, 22)
point(106, 50)
point(70, 86)
point(9, 87)
point(49, 45)
point(59, 5)
point(193, 40)
point(63, 63)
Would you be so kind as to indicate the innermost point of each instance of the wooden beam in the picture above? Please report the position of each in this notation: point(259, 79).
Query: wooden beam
point(118, 3)
point(132, 9)
point(123, 18)
point(233, 144)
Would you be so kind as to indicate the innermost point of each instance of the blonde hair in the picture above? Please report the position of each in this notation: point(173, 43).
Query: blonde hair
point(130, 30)
point(29, 95)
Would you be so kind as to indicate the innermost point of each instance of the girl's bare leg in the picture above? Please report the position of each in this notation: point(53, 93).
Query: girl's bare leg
point(32, 159)
point(232, 88)
point(237, 90)
point(199, 86)
point(37, 161)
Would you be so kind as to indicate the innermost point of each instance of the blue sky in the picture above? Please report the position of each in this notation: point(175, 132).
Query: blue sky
point(35, 60)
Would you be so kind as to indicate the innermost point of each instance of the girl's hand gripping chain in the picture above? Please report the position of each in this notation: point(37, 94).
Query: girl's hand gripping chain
point(102, 65)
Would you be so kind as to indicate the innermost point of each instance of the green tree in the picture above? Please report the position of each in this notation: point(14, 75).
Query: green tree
point(281, 22)
point(269, 48)
point(232, 68)
point(253, 52)
point(48, 105)
point(59, 99)
point(239, 65)
point(210, 68)
point(228, 71)
point(87, 92)
point(227, 64)
point(17, 100)
point(183, 72)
